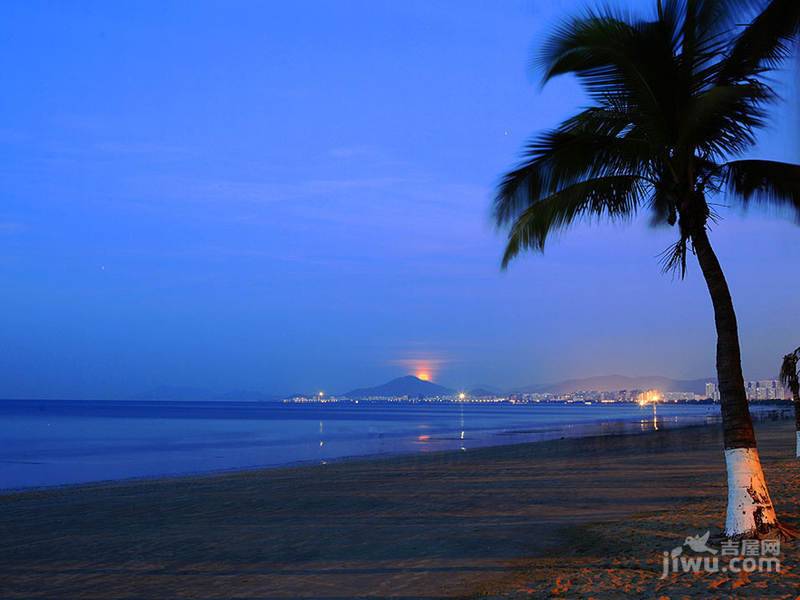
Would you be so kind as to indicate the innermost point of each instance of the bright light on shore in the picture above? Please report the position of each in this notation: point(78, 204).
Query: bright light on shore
point(651, 397)
point(461, 396)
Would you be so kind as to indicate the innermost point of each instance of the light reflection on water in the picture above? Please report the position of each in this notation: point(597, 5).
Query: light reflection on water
point(52, 443)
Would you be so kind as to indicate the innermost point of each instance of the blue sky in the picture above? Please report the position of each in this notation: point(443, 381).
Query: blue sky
point(295, 196)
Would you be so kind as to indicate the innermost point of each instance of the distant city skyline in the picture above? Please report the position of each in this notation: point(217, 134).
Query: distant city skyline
point(412, 386)
point(285, 197)
point(412, 389)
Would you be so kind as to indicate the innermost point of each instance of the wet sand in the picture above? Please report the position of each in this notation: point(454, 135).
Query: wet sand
point(568, 518)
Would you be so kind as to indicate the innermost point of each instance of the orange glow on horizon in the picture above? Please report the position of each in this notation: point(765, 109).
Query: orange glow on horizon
point(426, 368)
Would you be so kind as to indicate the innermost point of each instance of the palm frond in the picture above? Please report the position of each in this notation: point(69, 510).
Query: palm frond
point(765, 43)
point(618, 57)
point(723, 119)
point(584, 44)
point(766, 182)
point(696, 32)
point(594, 143)
point(788, 374)
point(614, 197)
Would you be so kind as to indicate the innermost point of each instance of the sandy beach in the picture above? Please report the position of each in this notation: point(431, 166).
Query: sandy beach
point(570, 518)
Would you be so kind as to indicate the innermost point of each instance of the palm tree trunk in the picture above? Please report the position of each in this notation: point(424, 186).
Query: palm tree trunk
point(750, 510)
point(796, 399)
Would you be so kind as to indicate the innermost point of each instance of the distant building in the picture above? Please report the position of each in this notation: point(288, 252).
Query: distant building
point(764, 389)
point(681, 396)
point(712, 391)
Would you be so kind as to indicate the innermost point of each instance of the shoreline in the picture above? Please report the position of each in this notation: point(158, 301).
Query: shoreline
point(495, 520)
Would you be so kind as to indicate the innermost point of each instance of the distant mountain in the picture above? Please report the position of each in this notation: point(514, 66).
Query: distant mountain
point(611, 383)
point(482, 392)
point(485, 387)
point(403, 386)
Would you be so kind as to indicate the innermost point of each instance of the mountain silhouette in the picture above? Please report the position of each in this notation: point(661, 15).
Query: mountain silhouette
point(613, 383)
point(403, 386)
point(482, 392)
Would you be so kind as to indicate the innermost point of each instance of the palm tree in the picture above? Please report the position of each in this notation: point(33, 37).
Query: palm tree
point(789, 378)
point(673, 100)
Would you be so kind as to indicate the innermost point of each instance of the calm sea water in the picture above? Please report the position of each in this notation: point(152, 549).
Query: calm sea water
point(61, 442)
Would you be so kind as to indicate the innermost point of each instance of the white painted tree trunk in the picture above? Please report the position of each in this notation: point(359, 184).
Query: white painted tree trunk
point(750, 508)
point(798, 444)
